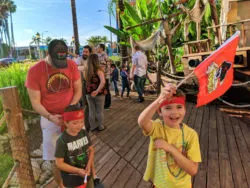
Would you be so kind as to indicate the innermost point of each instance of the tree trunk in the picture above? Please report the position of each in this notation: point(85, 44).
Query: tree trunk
point(19, 141)
point(75, 27)
point(12, 36)
point(123, 48)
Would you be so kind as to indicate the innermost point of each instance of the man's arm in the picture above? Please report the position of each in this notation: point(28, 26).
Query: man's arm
point(132, 71)
point(77, 87)
point(35, 99)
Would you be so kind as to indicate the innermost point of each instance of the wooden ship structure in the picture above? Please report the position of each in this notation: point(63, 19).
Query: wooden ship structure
point(235, 15)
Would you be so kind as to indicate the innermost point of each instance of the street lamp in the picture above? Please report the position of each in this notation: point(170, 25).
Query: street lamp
point(109, 13)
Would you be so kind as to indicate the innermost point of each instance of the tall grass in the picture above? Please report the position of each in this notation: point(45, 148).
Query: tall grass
point(15, 75)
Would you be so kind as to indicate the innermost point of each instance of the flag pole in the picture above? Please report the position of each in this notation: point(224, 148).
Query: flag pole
point(184, 80)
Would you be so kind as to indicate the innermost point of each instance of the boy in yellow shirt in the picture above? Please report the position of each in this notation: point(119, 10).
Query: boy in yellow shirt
point(174, 151)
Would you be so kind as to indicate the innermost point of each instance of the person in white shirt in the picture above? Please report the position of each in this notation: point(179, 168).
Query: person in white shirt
point(138, 72)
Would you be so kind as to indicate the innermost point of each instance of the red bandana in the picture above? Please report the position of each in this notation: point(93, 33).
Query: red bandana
point(173, 100)
point(75, 115)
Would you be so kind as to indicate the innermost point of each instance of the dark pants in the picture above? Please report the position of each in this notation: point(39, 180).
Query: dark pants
point(125, 85)
point(115, 86)
point(107, 102)
point(84, 104)
point(139, 84)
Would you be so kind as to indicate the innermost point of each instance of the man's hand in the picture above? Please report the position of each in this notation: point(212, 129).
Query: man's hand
point(56, 118)
point(167, 92)
point(162, 144)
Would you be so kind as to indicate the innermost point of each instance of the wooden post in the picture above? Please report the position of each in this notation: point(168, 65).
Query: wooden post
point(158, 77)
point(18, 139)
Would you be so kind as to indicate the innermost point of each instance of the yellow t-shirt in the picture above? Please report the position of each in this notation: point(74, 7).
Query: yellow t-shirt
point(161, 166)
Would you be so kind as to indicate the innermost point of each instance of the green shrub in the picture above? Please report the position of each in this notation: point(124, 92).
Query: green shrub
point(15, 75)
point(6, 163)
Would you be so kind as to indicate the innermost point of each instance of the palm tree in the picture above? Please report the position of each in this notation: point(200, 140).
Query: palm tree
point(12, 9)
point(3, 16)
point(95, 40)
point(75, 27)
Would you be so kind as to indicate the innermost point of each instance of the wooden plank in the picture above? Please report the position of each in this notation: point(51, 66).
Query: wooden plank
point(226, 178)
point(125, 139)
point(246, 133)
point(108, 165)
point(142, 166)
point(133, 180)
point(192, 117)
point(140, 154)
point(198, 120)
point(123, 177)
point(243, 150)
point(128, 146)
point(144, 184)
point(200, 179)
point(213, 159)
point(131, 153)
point(115, 172)
point(189, 107)
point(101, 152)
point(106, 157)
point(236, 165)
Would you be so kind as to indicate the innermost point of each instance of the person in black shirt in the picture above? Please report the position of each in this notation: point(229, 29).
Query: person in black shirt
point(74, 151)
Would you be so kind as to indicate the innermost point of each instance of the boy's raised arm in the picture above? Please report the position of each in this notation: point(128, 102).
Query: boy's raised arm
point(146, 116)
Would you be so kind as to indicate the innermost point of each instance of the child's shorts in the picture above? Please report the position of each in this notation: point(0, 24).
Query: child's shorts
point(50, 134)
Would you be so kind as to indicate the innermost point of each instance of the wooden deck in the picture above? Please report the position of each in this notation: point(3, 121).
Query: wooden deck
point(121, 149)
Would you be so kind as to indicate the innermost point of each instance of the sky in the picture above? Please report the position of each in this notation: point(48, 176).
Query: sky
point(53, 18)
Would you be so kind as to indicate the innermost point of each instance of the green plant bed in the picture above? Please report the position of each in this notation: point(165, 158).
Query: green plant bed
point(6, 164)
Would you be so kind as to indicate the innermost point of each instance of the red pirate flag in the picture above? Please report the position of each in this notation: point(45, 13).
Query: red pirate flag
point(215, 73)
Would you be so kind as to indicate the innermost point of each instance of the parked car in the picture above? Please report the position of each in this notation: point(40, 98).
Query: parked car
point(6, 61)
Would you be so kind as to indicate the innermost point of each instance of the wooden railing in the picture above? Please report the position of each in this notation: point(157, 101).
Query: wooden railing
point(232, 27)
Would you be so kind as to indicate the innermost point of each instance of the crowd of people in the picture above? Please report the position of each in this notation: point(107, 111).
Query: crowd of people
point(71, 97)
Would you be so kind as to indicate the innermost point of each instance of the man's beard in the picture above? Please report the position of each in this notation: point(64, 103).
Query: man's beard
point(85, 57)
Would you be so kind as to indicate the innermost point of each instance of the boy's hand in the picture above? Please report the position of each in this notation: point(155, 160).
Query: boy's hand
point(82, 172)
point(162, 144)
point(167, 92)
point(87, 170)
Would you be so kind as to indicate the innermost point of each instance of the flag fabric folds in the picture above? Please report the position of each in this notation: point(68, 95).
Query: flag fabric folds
point(215, 73)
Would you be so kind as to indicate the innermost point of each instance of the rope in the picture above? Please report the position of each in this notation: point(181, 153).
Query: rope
point(172, 75)
point(241, 84)
point(234, 105)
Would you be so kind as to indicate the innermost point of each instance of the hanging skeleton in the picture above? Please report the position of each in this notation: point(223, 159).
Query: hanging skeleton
point(195, 15)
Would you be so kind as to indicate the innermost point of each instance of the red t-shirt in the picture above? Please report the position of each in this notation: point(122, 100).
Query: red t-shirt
point(55, 85)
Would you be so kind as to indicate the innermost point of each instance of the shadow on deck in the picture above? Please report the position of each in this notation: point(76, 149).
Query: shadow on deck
point(121, 149)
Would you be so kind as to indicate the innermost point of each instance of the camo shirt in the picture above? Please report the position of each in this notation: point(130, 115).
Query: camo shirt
point(74, 150)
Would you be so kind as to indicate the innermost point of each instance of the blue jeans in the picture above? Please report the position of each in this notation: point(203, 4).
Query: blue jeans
point(115, 86)
point(139, 84)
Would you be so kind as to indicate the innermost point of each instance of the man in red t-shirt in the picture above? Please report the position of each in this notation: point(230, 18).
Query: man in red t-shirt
point(53, 84)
